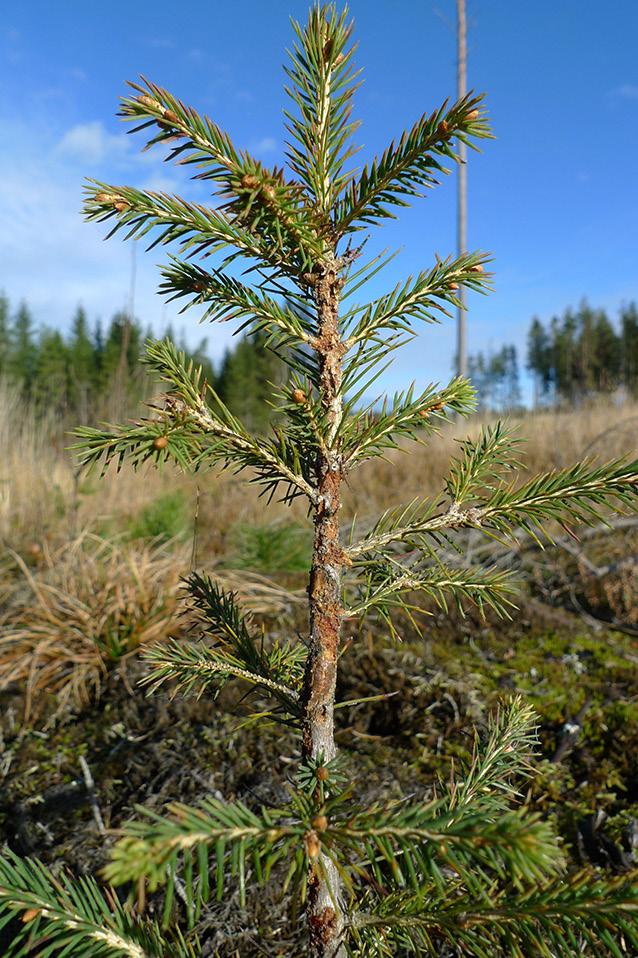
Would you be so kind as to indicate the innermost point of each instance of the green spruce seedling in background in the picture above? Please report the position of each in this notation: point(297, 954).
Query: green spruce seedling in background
point(468, 873)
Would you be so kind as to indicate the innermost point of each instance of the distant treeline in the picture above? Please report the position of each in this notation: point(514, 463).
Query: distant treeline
point(496, 378)
point(573, 357)
point(94, 372)
point(583, 352)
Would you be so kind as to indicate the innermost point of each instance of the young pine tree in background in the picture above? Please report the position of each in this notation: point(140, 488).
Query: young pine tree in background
point(5, 335)
point(467, 873)
point(23, 356)
point(629, 348)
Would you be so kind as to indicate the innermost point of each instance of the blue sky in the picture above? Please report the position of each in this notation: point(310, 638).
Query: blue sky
point(554, 197)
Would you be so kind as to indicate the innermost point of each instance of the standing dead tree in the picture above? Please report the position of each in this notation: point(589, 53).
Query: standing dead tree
point(461, 89)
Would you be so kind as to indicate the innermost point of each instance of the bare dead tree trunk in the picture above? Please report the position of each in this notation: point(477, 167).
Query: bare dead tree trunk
point(324, 913)
point(461, 343)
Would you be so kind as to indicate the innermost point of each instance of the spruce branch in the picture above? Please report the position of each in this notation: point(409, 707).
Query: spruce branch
point(407, 844)
point(482, 461)
point(409, 524)
point(580, 914)
point(217, 839)
point(73, 917)
point(226, 298)
point(583, 492)
point(220, 617)
point(197, 433)
point(499, 762)
point(237, 652)
point(323, 82)
point(411, 166)
point(201, 141)
point(158, 440)
point(195, 669)
point(261, 199)
point(367, 433)
point(423, 298)
point(197, 229)
point(274, 459)
point(386, 584)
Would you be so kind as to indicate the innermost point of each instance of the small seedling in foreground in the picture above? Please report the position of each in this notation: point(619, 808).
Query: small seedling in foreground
point(467, 873)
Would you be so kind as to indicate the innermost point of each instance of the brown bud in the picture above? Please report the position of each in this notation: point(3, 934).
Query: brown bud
point(339, 59)
point(160, 442)
point(320, 822)
point(35, 549)
point(249, 182)
point(269, 192)
point(150, 102)
point(453, 287)
point(121, 204)
point(437, 406)
point(170, 117)
point(322, 773)
point(312, 843)
point(443, 128)
point(105, 197)
point(30, 914)
point(478, 268)
point(198, 287)
point(424, 413)
point(473, 115)
point(299, 396)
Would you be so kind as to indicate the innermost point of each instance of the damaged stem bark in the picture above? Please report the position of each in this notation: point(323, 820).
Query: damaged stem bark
point(325, 916)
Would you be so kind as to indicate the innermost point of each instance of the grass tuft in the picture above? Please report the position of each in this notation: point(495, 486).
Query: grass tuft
point(82, 611)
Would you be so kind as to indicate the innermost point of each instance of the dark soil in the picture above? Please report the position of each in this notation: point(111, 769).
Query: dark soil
point(149, 751)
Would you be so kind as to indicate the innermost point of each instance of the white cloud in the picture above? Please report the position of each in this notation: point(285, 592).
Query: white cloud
point(159, 43)
point(13, 53)
point(54, 260)
point(244, 96)
point(268, 144)
point(626, 91)
point(78, 74)
point(91, 143)
point(161, 183)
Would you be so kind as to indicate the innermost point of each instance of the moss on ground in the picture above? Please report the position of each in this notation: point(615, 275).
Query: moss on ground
point(446, 677)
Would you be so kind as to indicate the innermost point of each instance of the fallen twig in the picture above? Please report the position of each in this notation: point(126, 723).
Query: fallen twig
point(90, 789)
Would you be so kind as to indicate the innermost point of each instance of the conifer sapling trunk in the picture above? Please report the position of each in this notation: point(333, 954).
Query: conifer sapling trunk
point(324, 591)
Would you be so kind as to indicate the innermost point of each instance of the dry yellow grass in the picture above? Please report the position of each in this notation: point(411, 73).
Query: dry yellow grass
point(74, 613)
point(552, 439)
point(35, 478)
point(43, 499)
point(76, 598)
point(80, 610)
